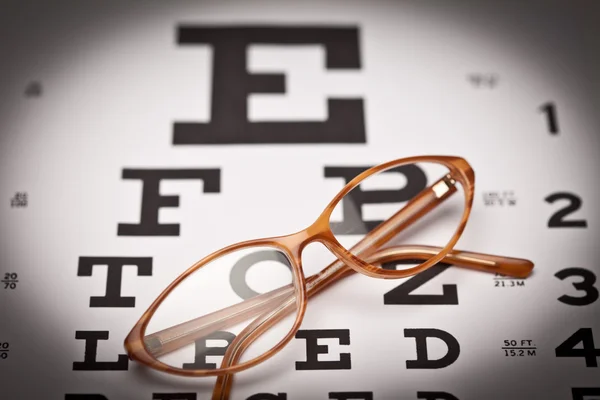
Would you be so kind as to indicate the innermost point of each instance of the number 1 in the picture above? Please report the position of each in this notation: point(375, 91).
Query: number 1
point(550, 110)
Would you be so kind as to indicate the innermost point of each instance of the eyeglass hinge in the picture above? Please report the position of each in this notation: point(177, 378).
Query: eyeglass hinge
point(443, 186)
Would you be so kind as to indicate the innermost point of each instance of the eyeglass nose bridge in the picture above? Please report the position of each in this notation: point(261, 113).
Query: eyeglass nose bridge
point(320, 232)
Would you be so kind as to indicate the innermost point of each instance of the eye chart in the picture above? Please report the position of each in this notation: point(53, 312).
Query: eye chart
point(138, 137)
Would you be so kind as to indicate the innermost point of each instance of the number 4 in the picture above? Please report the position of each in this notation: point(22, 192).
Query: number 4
point(589, 352)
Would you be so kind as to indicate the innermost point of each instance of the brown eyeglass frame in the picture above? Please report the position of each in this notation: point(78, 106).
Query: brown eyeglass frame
point(369, 247)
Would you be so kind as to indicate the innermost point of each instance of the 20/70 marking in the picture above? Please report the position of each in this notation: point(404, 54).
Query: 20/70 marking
point(10, 280)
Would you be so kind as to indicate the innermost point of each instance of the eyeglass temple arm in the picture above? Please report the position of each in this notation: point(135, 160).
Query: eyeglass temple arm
point(508, 266)
point(175, 337)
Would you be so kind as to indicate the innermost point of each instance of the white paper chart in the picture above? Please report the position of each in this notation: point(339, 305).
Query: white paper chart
point(138, 137)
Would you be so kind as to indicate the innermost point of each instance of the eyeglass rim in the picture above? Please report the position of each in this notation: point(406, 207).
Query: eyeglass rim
point(458, 167)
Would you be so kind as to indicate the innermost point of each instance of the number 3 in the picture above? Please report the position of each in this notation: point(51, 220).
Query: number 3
point(587, 285)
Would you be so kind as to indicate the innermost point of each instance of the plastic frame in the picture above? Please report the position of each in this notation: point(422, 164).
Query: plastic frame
point(271, 307)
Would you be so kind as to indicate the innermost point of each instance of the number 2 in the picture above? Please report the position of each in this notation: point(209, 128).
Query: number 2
point(557, 220)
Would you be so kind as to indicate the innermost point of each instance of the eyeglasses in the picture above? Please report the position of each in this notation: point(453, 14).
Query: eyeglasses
point(204, 304)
